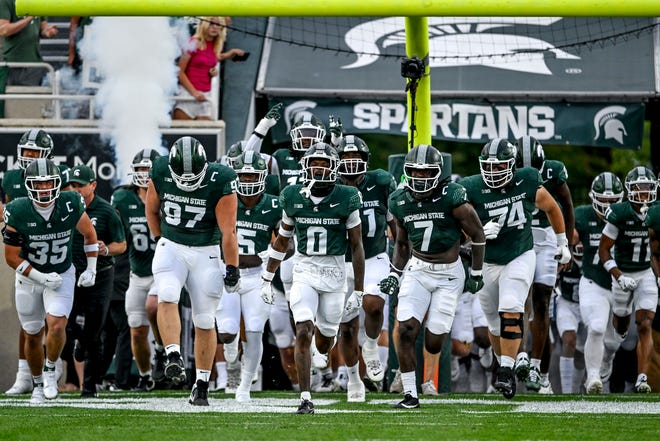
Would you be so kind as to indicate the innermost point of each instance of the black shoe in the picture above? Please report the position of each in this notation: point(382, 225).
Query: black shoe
point(88, 393)
point(506, 382)
point(145, 384)
point(306, 406)
point(174, 369)
point(408, 402)
point(160, 359)
point(199, 395)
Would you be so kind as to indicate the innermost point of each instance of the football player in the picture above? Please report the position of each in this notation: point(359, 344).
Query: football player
point(505, 198)
point(38, 239)
point(375, 187)
point(325, 217)
point(634, 285)
point(554, 177)
point(188, 199)
point(257, 219)
point(92, 299)
point(430, 216)
point(141, 297)
point(596, 283)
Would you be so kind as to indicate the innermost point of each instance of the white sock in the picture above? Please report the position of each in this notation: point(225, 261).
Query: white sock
point(383, 354)
point(203, 375)
point(594, 347)
point(409, 381)
point(306, 395)
point(370, 344)
point(23, 365)
point(535, 362)
point(147, 372)
point(506, 361)
point(566, 372)
point(172, 348)
point(50, 365)
point(353, 373)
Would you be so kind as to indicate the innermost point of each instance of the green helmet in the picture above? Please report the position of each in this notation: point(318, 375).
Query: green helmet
point(530, 153)
point(34, 139)
point(187, 163)
point(497, 162)
point(641, 185)
point(320, 176)
point(251, 169)
point(606, 189)
point(143, 159)
point(38, 174)
point(234, 152)
point(422, 168)
point(352, 166)
point(306, 131)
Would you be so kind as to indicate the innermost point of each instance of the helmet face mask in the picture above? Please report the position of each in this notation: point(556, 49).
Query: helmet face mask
point(319, 165)
point(43, 181)
point(306, 131)
point(606, 189)
point(422, 169)
point(353, 156)
point(187, 163)
point(497, 163)
point(641, 185)
point(141, 165)
point(529, 153)
point(251, 169)
point(36, 141)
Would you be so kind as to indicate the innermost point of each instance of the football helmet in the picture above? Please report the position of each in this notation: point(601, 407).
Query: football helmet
point(251, 169)
point(606, 189)
point(641, 185)
point(497, 162)
point(306, 131)
point(530, 153)
point(320, 175)
point(38, 174)
point(234, 151)
point(34, 139)
point(422, 168)
point(187, 163)
point(352, 166)
point(143, 160)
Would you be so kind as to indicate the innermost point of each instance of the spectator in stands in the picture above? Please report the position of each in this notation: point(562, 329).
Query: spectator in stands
point(198, 65)
point(21, 44)
point(76, 32)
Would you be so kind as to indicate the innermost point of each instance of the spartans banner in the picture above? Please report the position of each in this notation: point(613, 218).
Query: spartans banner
point(613, 125)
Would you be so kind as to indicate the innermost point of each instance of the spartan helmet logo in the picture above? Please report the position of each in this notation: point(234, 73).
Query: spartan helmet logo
point(296, 109)
point(612, 127)
point(462, 41)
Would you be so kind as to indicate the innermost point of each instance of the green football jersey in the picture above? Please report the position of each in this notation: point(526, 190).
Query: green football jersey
point(141, 244)
point(553, 175)
point(47, 244)
point(188, 217)
point(255, 226)
point(590, 228)
point(109, 228)
point(376, 188)
point(289, 167)
point(430, 225)
point(512, 206)
point(569, 282)
point(321, 228)
point(631, 248)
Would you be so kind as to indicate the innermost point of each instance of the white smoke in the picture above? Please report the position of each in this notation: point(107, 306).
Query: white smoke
point(136, 57)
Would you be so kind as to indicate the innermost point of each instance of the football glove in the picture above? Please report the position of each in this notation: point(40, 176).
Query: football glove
point(492, 229)
point(336, 130)
point(49, 280)
point(474, 283)
point(626, 283)
point(267, 292)
point(354, 302)
point(232, 279)
point(87, 278)
point(269, 120)
point(390, 285)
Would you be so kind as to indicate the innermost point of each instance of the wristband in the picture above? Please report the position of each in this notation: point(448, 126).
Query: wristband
point(24, 265)
point(267, 276)
point(478, 244)
point(277, 255)
point(475, 273)
point(609, 265)
point(395, 275)
point(91, 248)
point(285, 233)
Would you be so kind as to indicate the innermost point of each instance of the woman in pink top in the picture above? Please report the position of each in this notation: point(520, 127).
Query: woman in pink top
point(198, 65)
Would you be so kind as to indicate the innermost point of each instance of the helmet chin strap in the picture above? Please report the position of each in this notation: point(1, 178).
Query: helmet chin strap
point(307, 191)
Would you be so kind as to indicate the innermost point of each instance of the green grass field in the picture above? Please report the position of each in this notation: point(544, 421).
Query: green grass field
point(168, 416)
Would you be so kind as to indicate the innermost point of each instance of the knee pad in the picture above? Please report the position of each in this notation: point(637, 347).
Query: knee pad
point(137, 320)
point(204, 320)
point(33, 328)
point(169, 291)
point(506, 322)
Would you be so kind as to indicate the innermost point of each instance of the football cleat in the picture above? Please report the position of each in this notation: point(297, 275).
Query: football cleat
point(408, 402)
point(174, 369)
point(89, 393)
point(533, 379)
point(356, 392)
point(22, 385)
point(340, 383)
point(522, 367)
point(199, 395)
point(594, 386)
point(38, 396)
point(546, 387)
point(160, 359)
point(374, 369)
point(145, 384)
point(50, 384)
point(506, 382)
point(306, 407)
point(243, 394)
point(397, 385)
point(642, 385)
point(428, 388)
point(326, 384)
